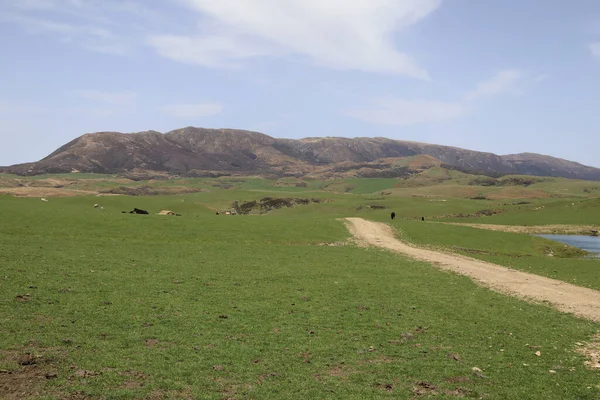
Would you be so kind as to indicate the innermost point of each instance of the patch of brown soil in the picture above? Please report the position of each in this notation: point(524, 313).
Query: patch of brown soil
point(423, 161)
point(591, 350)
point(135, 379)
point(23, 298)
point(507, 193)
point(268, 204)
point(40, 183)
point(338, 371)
point(388, 387)
point(45, 192)
point(171, 394)
point(291, 183)
point(424, 389)
point(26, 380)
point(565, 297)
point(4, 183)
point(378, 360)
point(534, 229)
point(83, 373)
point(49, 182)
point(41, 318)
point(151, 342)
point(151, 190)
point(332, 244)
point(481, 213)
point(458, 379)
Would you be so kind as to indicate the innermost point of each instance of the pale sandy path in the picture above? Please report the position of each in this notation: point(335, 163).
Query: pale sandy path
point(569, 298)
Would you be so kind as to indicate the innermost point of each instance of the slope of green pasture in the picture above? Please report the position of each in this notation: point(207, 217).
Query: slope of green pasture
point(370, 185)
point(547, 212)
point(568, 187)
point(518, 251)
point(127, 306)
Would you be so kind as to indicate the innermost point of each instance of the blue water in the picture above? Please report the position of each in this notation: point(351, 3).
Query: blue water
point(588, 243)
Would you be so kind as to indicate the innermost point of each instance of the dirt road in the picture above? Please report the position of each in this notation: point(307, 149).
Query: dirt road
point(569, 298)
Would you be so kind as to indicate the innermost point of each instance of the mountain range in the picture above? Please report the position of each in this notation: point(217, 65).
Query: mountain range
point(211, 152)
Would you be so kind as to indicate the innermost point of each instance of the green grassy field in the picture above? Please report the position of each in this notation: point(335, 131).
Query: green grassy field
point(123, 306)
point(518, 251)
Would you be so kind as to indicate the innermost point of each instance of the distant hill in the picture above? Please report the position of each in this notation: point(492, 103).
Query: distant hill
point(208, 152)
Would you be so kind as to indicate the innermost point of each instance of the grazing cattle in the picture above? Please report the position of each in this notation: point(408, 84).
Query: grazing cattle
point(227, 213)
point(393, 215)
point(217, 213)
point(96, 205)
point(43, 199)
point(138, 211)
point(422, 218)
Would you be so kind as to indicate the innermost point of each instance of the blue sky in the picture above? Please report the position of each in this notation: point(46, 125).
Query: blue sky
point(493, 75)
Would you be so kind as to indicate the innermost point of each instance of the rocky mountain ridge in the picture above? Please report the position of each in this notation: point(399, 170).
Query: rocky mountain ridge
point(204, 152)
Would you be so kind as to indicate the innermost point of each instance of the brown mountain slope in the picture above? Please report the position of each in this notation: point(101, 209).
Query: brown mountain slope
point(193, 151)
point(537, 164)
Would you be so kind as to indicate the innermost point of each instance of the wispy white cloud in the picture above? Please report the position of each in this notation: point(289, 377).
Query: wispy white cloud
point(399, 111)
point(88, 24)
point(190, 111)
point(10, 108)
point(595, 49)
point(104, 104)
point(223, 51)
point(39, 25)
point(33, 4)
point(110, 48)
point(395, 111)
point(116, 99)
point(357, 35)
point(339, 34)
point(505, 81)
point(278, 122)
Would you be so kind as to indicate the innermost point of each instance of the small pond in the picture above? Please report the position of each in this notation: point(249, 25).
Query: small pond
point(588, 243)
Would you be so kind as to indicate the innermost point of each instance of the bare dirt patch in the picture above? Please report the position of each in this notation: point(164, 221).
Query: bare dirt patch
point(341, 372)
point(478, 214)
point(45, 192)
point(564, 296)
point(268, 204)
point(151, 190)
point(150, 342)
point(27, 376)
point(134, 379)
point(517, 193)
point(425, 389)
point(591, 350)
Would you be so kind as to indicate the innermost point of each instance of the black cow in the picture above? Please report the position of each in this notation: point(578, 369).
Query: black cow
point(393, 215)
point(422, 218)
point(138, 211)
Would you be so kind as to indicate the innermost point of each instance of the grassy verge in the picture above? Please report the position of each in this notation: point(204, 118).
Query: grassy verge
point(126, 306)
point(519, 251)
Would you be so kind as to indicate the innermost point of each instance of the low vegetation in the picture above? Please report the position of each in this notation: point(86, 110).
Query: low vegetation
point(103, 305)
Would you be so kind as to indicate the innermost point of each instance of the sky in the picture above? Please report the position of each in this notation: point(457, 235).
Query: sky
point(503, 76)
